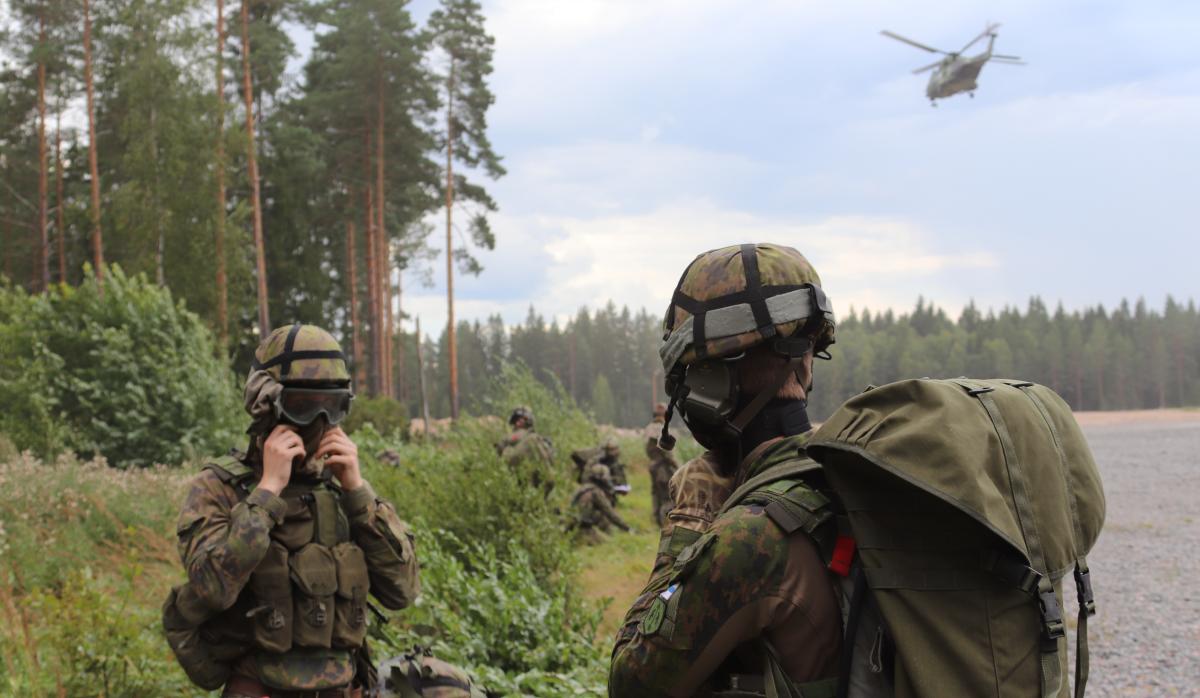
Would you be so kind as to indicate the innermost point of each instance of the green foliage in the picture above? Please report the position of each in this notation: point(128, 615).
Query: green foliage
point(603, 403)
point(484, 609)
point(126, 372)
point(385, 414)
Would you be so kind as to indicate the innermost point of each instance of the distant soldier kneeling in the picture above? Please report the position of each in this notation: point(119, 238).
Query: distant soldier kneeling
point(592, 508)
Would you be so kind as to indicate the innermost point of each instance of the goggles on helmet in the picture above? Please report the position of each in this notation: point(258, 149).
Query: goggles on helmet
point(301, 406)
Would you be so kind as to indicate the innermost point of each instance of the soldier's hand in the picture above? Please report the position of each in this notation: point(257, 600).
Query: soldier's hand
point(341, 457)
point(282, 447)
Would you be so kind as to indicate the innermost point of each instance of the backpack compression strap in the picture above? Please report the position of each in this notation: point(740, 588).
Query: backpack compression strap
point(1083, 578)
point(1053, 627)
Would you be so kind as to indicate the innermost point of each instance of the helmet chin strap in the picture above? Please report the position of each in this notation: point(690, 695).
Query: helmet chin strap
point(760, 401)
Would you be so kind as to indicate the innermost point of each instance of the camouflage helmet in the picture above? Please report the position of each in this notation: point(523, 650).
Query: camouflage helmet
point(521, 412)
point(733, 298)
point(611, 445)
point(302, 354)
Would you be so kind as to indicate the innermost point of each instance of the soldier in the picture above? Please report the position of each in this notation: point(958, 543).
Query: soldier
point(592, 508)
point(283, 543)
point(741, 600)
point(610, 455)
point(662, 466)
point(529, 454)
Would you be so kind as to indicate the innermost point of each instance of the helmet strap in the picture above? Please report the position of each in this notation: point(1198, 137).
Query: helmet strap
point(750, 411)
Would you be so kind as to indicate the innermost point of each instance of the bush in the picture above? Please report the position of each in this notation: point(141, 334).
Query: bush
point(127, 373)
point(483, 609)
point(387, 415)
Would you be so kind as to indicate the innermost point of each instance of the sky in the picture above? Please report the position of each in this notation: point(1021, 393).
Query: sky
point(638, 134)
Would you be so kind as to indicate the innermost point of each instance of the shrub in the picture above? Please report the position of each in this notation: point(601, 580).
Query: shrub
point(128, 373)
point(387, 415)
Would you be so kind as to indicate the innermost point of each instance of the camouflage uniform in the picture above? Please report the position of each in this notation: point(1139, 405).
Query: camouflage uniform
point(592, 508)
point(743, 582)
point(530, 456)
point(223, 538)
point(740, 601)
point(276, 592)
point(662, 467)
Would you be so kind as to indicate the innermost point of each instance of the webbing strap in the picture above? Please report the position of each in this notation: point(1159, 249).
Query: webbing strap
point(780, 472)
point(325, 512)
point(760, 401)
point(1051, 611)
point(758, 304)
point(1083, 582)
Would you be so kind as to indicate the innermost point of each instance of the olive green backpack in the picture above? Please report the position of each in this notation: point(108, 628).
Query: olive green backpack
point(969, 501)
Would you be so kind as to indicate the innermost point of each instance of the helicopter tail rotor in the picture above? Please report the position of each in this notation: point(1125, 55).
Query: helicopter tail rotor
point(989, 30)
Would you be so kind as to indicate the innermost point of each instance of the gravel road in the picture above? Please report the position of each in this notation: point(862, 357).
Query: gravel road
point(1145, 637)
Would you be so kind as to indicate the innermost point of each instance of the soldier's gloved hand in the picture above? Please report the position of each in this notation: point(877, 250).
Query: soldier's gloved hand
point(282, 447)
point(341, 456)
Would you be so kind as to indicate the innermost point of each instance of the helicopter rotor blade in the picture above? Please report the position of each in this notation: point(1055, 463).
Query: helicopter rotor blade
point(910, 42)
point(986, 32)
point(929, 67)
point(1008, 62)
point(1003, 57)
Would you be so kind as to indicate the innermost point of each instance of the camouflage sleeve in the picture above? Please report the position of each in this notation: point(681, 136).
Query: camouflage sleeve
point(387, 543)
point(222, 540)
point(723, 590)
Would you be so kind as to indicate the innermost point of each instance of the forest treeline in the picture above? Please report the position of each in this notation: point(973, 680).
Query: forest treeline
point(1131, 357)
point(176, 139)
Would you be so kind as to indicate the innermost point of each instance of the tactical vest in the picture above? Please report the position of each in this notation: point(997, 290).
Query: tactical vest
point(306, 602)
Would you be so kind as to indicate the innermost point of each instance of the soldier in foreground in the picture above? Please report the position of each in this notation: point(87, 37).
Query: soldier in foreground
point(282, 544)
point(591, 506)
point(740, 599)
point(662, 466)
point(529, 454)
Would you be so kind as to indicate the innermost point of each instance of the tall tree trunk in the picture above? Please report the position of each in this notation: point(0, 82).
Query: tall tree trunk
point(451, 340)
point(219, 242)
point(160, 274)
point(389, 388)
point(43, 232)
point(58, 186)
point(264, 320)
point(421, 380)
point(372, 278)
point(97, 240)
point(356, 343)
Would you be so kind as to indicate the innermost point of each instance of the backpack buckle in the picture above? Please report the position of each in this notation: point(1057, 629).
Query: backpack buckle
point(1083, 588)
point(1052, 619)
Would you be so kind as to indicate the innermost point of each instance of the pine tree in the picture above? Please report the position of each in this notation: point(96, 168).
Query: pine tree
point(458, 33)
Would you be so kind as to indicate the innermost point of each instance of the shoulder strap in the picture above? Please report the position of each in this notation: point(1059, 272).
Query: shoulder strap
point(788, 470)
point(232, 472)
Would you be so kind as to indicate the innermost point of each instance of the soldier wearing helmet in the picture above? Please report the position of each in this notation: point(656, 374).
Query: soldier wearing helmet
point(662, 466)
point(527, 453)
point(610, 455)
point(282, 544)
point(740, 601)
point(591, 506)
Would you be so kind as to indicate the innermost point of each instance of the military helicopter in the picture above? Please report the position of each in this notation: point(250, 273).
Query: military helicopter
point(957, 73)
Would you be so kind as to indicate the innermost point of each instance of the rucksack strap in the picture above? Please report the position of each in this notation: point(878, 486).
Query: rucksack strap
point(233, 472)
point(1053, 626)
point(1083, 579)
point(784, 471)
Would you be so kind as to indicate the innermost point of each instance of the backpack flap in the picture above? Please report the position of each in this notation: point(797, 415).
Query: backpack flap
point(969, 501)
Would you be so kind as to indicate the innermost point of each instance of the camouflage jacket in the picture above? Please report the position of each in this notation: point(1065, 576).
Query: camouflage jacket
point(593, 507)
point(222, 538)
point(742, 581)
